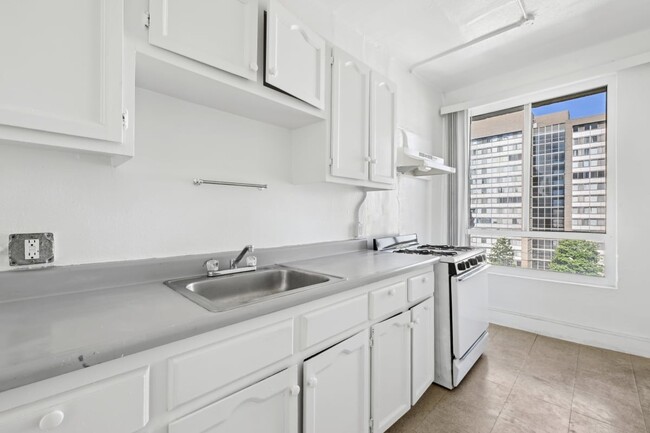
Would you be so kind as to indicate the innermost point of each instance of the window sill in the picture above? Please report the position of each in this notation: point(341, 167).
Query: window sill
point(554, 277)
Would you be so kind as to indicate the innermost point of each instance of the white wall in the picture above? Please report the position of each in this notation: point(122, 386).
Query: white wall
point(148, 207)
point(613, 318)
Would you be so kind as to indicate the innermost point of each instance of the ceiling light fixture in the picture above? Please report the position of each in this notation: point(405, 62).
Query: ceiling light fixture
point(525, 19)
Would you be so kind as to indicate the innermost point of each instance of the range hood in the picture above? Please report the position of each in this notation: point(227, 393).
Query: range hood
point(413, 162)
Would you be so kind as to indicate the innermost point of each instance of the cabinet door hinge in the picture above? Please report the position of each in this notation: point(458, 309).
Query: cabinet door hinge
point(331, 162)
point(125, 119)
point(371, 425)
point(146, 19)
point(372, 342)
point(332, 60)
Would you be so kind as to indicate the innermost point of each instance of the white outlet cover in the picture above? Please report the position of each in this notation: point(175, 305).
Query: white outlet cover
point(32, 249)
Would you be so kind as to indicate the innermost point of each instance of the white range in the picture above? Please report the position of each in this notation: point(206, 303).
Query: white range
point(461, 300)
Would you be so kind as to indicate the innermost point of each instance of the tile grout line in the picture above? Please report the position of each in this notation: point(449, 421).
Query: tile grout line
point(573, 388)
point(638, 394)
point(513, 385)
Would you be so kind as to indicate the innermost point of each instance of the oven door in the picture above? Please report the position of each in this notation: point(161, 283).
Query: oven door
point(469, 304)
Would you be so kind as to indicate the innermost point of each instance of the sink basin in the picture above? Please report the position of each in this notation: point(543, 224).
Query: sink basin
point(227, 292)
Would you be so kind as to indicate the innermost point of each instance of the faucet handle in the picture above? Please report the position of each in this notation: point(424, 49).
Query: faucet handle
point(251, 261)
point(212, 265)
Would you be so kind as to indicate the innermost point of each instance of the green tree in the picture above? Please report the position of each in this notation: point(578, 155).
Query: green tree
point(502, 253)
point(577, 257)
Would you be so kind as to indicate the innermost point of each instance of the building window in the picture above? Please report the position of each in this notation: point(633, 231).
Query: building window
point(537, 181)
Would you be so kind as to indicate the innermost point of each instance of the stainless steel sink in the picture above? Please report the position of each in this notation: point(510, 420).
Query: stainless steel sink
point(232, 291)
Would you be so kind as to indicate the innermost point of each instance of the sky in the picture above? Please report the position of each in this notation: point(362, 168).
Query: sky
point(579, 107)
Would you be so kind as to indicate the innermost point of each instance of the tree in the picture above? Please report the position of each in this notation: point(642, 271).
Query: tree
point(577, 257)
point(502, 253)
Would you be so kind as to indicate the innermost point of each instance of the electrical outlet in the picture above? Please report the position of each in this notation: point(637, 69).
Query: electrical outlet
point(31, 249)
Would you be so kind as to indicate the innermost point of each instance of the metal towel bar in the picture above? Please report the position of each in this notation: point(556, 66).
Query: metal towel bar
point(259, 186)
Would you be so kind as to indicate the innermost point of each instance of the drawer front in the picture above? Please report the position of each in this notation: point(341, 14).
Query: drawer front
point(387, 299)
point(420, 286)
point(327, 322)
point(196, 373)
point(116, 405)
point(269, 406)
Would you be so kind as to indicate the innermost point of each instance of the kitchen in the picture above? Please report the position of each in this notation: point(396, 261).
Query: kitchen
point(103, 136)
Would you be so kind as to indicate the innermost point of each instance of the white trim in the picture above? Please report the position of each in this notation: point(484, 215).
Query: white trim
point(552, 277)
point(582, 334)
point(609, 239)
point(577, 78)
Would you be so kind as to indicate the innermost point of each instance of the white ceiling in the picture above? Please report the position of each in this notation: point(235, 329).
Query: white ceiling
point(417, 29)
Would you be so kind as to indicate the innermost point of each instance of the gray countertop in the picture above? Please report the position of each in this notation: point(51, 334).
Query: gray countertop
point(45, 336)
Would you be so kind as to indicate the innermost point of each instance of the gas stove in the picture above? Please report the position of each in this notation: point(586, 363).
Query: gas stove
point(463, 258)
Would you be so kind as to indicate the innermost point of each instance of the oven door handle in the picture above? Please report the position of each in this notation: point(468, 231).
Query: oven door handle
point(473, 273)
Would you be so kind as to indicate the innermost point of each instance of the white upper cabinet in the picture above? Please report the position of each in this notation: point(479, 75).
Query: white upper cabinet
point(269, 406)
point(337, 388)
point(295, 61)
point(220, 33)
point(62, 69)
point(422, 360)
point(350, 115)
point(382, 129)
point(391, 371)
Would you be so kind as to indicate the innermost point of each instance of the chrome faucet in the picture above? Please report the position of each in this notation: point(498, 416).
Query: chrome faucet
point(235, 262)
point(212, 265)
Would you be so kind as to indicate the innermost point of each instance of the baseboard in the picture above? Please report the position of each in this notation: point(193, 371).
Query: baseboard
point(632, 344)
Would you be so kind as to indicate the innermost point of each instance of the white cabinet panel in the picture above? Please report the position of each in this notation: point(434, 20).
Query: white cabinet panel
point(391, 371)
point(422, 349)
point(62, 68)
point(321, 324)
point(219, 33)
point(295, 56)
point(207, 369)
point(387, 299)
point(382, 129)
point(421, 286)
point(337, 388)
point(119, 404)
point(269, 406)
point(350, 106)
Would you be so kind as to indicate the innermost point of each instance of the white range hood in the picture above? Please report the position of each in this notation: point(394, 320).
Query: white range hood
point(413, 162)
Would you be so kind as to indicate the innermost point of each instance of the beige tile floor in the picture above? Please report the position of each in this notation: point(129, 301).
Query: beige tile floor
point(527, 383)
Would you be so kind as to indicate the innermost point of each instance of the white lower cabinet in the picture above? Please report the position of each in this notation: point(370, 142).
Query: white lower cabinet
point(422, 349)
point(391, 371)
point(337, 387)
point(269, 406)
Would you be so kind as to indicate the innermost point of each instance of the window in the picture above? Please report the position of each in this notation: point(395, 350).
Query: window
point(538, 184)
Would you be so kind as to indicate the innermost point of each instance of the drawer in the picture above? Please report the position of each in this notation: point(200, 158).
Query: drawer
point(270, 405)
point(387, 299)
point(420, 286)
point(201, 371)
point(116, 405)
point(319, 325)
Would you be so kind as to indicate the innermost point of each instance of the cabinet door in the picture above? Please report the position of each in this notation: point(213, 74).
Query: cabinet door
point(65, 73)
point(269, 406)
point(382, 129)
point(337, 387)
point(295, 57)
point(219, 33)
point(391, 371)
point(422, 350)
point(350, 105)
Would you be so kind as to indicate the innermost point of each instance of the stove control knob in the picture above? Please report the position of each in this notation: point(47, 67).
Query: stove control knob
point(473, 261)
point(461, 266)
point(480, 258)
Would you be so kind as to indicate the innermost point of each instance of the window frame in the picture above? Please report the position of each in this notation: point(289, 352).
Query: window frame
point(609, 238)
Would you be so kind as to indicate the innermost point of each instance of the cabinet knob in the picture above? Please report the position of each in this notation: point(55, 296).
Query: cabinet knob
point(425, 279)
point(294, 390)
point(254, 67)
point(273, 71)
point(411, 325)
point(368, 159)
point(373, 161)
point(312, 382)
point(392, 292)
point(416, 321)
point(52, 420)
